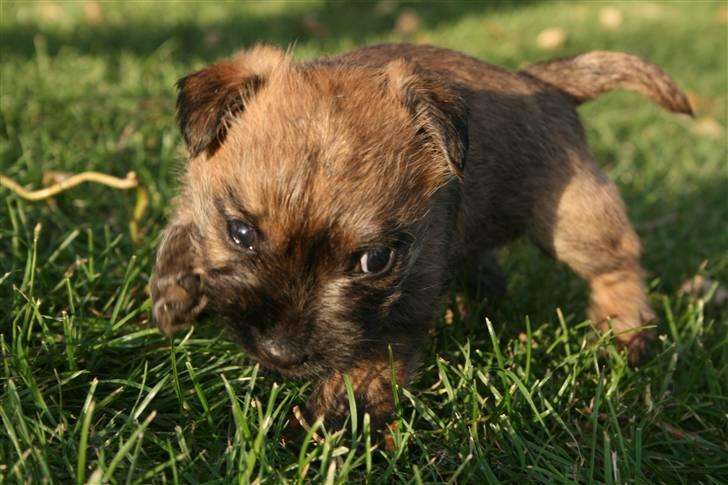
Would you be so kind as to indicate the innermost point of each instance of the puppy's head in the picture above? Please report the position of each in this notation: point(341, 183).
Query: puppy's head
point(319, 195)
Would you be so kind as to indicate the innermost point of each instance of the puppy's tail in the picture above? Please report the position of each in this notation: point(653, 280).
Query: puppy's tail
point(588, 75)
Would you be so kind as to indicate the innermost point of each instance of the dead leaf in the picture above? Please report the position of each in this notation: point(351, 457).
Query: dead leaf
point(449, 317)
point(610, 18)
point(407, 23)
point(50, 11)
point(722, 14)
point(699, 287)
point(462, 310)
point(93, 12)
point(708, 127)
point(551, 39)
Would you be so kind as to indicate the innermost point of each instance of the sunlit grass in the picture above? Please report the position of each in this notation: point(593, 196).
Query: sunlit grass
point(91, 393)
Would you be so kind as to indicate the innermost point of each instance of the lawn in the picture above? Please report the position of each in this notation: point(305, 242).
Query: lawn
point(91, 392)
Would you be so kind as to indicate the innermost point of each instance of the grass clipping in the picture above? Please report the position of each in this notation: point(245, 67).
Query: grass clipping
point(57, 182)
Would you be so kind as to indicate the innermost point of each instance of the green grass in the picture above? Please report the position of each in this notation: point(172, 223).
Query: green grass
point(90, 392)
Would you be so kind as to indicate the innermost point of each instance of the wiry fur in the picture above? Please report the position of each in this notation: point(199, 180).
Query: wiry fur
point(427, 151)
point(587, 76)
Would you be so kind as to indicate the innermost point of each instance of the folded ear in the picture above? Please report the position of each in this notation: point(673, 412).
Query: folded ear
point(440, 114)
point(209, 99)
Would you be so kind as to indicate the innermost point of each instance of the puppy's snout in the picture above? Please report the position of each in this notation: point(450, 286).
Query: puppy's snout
point(280, 354)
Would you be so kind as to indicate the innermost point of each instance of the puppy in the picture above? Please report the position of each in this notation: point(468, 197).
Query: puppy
point(327, 204)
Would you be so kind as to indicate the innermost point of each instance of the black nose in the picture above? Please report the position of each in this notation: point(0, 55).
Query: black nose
point(280, 354)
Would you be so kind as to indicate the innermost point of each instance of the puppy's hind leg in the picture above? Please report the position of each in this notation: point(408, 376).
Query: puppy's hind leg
point(580, 219)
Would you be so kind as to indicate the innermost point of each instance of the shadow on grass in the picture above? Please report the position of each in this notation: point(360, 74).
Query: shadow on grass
point(325, 26)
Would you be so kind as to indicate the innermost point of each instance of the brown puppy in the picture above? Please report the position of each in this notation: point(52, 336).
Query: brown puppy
point(327, 204)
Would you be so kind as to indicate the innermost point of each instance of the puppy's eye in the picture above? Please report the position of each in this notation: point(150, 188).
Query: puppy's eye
point(242, 234)
point(374, 260)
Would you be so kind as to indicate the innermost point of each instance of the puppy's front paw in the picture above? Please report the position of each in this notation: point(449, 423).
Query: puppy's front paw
point(177, 301)
point(640, 347)
point(619, 303)
point(632, 335)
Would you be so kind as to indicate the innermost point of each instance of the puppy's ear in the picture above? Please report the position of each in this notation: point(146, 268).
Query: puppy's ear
point(441, 116)
point(210, 98)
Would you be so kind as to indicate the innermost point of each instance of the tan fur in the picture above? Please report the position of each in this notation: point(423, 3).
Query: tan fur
point(587, 76)
point(424, 154)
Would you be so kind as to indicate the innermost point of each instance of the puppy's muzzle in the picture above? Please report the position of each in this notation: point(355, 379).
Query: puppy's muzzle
point(281, 355)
